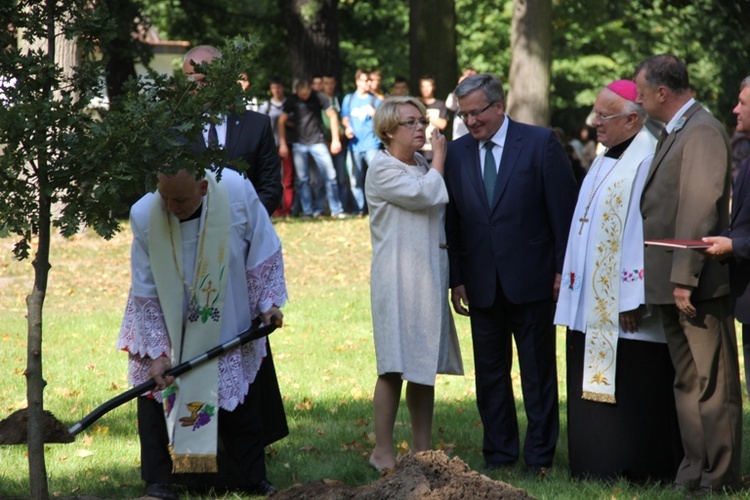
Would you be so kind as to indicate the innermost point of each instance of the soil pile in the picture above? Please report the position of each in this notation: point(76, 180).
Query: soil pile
point(426, 475)
point(13, 430)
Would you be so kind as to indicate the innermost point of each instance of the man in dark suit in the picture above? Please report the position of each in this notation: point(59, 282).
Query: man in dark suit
point(245, 135)
point(734, 244)
point(507, 229)
point(686, 196)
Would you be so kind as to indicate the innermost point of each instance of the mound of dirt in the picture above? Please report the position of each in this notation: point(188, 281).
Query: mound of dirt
point(13, 430)
point(426, 475)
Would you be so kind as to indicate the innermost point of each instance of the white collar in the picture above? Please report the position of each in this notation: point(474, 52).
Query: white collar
point(678, 116)
point(499, 137)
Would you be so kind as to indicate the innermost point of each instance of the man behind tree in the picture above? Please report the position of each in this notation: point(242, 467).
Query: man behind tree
point(686, 197)
point(247, 135)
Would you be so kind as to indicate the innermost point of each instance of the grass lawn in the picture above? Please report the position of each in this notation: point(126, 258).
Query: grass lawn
point(324, 359)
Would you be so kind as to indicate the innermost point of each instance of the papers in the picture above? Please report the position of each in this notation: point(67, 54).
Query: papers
point(692, 244)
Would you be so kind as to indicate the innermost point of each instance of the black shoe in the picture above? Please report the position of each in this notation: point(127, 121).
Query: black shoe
point(161, 490)
point(263, 487)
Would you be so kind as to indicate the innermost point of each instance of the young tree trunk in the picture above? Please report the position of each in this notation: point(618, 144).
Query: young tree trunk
point(531, 48)
point(34, 377)
point(313, 34)
point(64, 53)
point(432, 44)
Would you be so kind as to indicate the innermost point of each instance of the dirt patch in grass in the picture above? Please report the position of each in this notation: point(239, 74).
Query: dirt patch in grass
point(13, 430)
point(425, 475)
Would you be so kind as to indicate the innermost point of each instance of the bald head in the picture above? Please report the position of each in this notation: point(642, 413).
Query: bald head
point(202, 54)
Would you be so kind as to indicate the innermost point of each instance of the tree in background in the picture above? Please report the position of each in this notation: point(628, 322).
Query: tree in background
point(596, 42)
point(531, 47)
point(312, 37)
point(483, 35)
point(432, 44)
point(593, 42)
point(124, 49)
point(374, 35)
point(200, 22)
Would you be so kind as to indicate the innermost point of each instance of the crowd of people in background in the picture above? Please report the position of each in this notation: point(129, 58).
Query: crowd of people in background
point(309, 192)
point(345, 120)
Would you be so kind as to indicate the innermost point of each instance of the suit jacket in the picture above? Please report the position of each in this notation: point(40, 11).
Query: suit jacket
point(739, 232)
point(520, 237)
point(686, 196)
point(250, 137)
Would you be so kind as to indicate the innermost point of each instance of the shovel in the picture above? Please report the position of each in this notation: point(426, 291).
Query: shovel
point(18, 419)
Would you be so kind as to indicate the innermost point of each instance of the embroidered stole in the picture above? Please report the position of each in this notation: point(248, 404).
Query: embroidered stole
point(191, 403)
point(602, 308)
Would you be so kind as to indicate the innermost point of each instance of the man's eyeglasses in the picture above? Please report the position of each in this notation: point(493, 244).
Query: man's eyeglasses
point(413, 123)
point(473, 114)
point(601, 118)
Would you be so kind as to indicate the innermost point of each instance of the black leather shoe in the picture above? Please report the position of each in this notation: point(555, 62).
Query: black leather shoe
point(263, 487)
point(161, 490)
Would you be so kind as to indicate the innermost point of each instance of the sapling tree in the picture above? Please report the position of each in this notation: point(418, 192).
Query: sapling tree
point(65, 165)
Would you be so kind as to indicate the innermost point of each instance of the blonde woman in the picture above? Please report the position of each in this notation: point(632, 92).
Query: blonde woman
point(415, 338)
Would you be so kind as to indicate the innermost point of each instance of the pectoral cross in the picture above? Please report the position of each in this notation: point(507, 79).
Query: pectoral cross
point(583, 220)
point(208, 290)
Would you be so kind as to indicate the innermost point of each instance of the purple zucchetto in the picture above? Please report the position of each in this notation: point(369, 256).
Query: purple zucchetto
point(625, 89)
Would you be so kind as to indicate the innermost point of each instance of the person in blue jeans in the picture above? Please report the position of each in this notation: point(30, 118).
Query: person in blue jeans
point(305, 108)
point(357, 111)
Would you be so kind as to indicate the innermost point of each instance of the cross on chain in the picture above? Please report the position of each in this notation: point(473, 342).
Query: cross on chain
point(582, 220)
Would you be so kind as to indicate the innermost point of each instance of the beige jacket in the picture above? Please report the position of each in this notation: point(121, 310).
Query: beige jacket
point(686, 196)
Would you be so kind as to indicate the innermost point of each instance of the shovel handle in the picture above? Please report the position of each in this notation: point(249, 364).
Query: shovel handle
point(255, 332)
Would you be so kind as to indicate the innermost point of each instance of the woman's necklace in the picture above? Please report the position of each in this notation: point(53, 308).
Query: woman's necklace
point(199, 257)
point(413, 159)
point(595, 187)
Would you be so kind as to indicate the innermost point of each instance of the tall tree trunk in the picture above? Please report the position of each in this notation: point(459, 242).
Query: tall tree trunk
point(120, 57)
point(432, 44)
point(313, 34)
point(531, 48)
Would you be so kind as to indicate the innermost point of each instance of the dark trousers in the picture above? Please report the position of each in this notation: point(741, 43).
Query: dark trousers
point(240, 458)
point(493, 329)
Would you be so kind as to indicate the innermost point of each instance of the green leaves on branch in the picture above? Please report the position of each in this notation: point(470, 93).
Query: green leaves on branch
point(68, 160)
point(154, 126)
